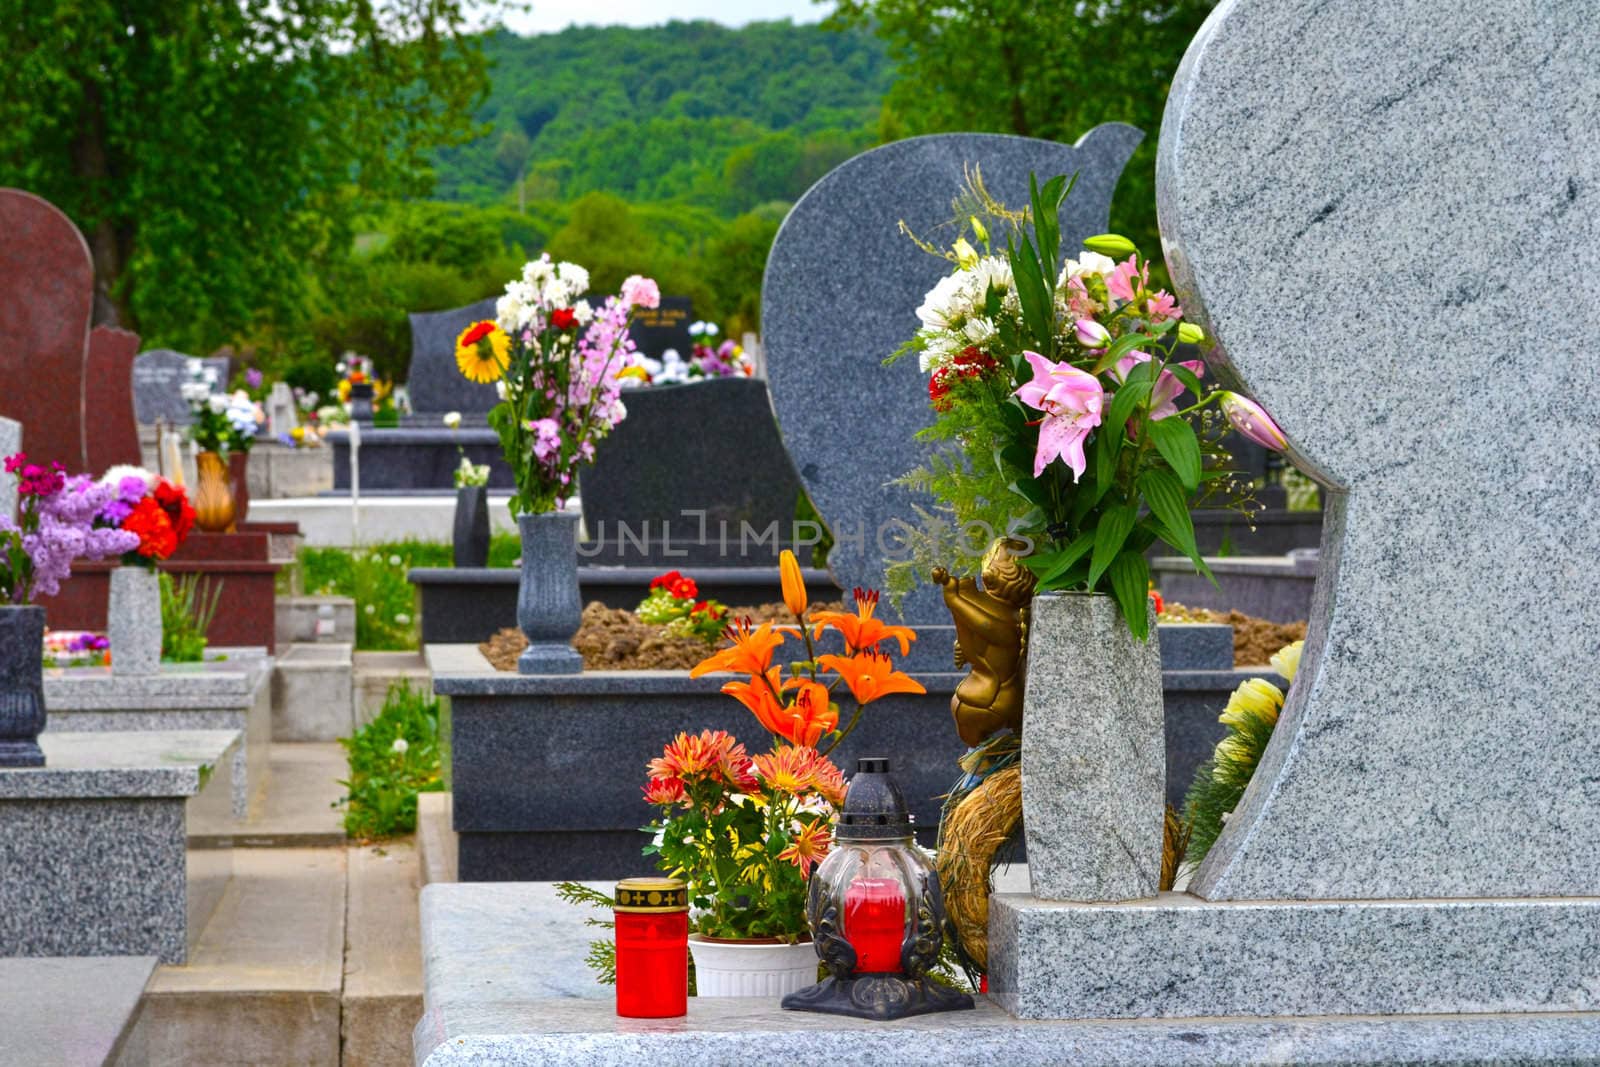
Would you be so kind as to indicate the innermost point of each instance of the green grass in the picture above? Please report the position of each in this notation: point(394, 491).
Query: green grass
point(392, 759)
point(374, 576)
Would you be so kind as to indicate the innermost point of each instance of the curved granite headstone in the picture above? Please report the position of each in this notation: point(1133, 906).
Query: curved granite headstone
point(46, 298)
point(1390, 220)
point(157, 378)
point(110, 436)
point(436, 385)
point(841, 291)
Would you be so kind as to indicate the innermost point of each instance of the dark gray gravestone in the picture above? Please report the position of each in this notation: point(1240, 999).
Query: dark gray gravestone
point(841, 292)
point(157, 378)
point(654, 330)
point(436, 384)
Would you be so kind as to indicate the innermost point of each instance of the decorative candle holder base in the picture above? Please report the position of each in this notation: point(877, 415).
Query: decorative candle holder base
point(877, 996)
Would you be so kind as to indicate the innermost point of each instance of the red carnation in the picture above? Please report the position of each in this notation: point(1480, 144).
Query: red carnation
point(563, 318)
point(174, 500)
point(157, 539)
point(477, 333)
point(684, 589)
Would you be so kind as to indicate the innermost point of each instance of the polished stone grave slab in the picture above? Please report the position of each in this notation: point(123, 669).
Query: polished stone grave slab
point(48, 1017)
point(94, 858)
point(230, 690)
point(505, 984)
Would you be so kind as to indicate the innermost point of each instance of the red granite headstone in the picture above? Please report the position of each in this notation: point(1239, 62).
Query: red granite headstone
point(46, 299)
point(111, 435)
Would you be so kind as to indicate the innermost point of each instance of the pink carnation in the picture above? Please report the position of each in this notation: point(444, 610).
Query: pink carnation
point(639, 291)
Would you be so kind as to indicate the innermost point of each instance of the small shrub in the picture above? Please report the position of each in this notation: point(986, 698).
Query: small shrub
point(188, 605)
point(392, 759)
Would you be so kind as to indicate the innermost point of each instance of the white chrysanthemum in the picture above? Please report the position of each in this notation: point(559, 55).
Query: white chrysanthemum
point(193, 367)
point(980, 330)
point(536, 272)
point(575, 277)
point(583, 312)
point(938, 351)
point(946, 304)
point(114, 475)
point(1090, 263)
point(217, 403)
point(992, 272)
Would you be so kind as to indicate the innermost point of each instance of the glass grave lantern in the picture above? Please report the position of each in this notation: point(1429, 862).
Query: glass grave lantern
point(875, 911)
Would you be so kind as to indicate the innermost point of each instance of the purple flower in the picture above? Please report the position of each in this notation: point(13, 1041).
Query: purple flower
point(253, 378)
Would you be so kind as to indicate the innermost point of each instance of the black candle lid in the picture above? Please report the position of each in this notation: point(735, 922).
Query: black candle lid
point(874, 809)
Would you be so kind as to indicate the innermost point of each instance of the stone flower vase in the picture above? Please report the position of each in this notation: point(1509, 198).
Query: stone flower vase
point(213, 494)
point(470, 538)
point(549, 609)
point(133, 620)
point(239, 482)
point(21, 685)
point(1093, 752)
point(361, 402)
point(751, 968)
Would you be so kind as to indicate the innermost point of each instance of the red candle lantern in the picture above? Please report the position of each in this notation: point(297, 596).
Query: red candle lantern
point(877, 917)
point(652, 948)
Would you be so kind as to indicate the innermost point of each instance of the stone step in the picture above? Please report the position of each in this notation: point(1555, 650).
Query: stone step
point(383, 955)
point(295, 810)
point(376, 671)
point(311, 693)
point(46, 1020)
point(264, 983)
point(436, 837)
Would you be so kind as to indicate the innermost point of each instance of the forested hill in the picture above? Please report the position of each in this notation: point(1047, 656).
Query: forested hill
point(692, 111)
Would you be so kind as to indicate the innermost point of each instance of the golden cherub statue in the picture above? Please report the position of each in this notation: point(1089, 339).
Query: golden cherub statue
point(991, 637)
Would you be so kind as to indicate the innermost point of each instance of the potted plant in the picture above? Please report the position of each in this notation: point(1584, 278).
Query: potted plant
point(55, 523)
point(558, 362)
point(470, 536)
point(1078, 432)
point(159, 515)
point(221, 423)
point(744, 832)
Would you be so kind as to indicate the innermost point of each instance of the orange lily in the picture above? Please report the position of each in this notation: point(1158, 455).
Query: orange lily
point(870, 675)
point(751, 652)
point(861, 630)
point(794, 586)
point(759, 697)
point(810, 716)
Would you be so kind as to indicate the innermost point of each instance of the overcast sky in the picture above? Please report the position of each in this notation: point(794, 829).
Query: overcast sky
point(550, 15)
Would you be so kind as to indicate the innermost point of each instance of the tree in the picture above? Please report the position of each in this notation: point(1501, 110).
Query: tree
point(1050, 70)
point(211, 150)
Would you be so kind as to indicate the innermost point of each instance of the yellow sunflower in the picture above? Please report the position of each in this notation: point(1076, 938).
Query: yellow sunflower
point(483, 351)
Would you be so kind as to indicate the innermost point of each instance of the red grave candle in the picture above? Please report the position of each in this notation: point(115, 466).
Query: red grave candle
point(875, 924)
point(652, 948)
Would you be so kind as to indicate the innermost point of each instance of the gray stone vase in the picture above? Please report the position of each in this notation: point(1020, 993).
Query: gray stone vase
point(21, 685)
point(549, 609)
point(1093, 752)
point(133, 620)
point(470, 539)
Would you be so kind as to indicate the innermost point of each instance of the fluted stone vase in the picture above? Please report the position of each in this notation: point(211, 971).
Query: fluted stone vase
point(470, 537)
point(133, 621)
point(549, 609)
point(1093, 752)
point(21, 685)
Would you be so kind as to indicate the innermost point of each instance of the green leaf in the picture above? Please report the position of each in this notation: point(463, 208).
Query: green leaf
point(1132, 393)
point(1109, 534)
point(1106, 448)
point(1174, 438)
point(1190, 380)
point(1061, 560)
point(1130, 585)
point(1030, 490)
point(1116, 350)
point(1170, 504)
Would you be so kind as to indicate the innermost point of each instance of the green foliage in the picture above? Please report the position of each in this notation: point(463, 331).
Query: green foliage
point(187, 608)
point(602, 957)
point(392, 759)
point(1048, 70)
point(213, 153)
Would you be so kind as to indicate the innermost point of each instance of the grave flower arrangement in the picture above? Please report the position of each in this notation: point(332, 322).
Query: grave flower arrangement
point(223, 422)
point(1067, 419)
point(745, 831)
point(674, 602)
point(558, 362)
point(75, 648)
point(707, 359)
point(56, 523)
point(467, 473)
point(149, 507)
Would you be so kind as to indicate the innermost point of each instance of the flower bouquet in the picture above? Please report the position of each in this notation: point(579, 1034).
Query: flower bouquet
point(157, 513)
point(707, 359)
point(745, 831)
point(1070, 422)
point(674, 602)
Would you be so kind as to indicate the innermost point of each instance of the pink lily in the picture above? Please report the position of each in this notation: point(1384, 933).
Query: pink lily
point(1162, 306)
point(1121, 283)
point(1164, 396)
point(1252, 420)
point(1071, 400)
point(1091, 334)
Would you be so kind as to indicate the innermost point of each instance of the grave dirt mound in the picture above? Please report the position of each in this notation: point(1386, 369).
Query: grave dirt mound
point(614, 639)
point(1254, 640)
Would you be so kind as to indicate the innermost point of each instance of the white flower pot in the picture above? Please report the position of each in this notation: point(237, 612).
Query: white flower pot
point(751, 969)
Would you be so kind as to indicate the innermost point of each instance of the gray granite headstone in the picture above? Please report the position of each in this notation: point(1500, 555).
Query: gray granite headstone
point(157, 378)
point(281, 414)
point(1389, 216)
point(841, 291)
point(10, 444)
point(436, 384)
point(654, 330)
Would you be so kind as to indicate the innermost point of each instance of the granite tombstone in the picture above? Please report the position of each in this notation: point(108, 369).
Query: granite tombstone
point(110, 435)
point(157, 380)
point(46, 298)
point(841, 289)
point(10, 444)
point(1388, 216)
point(654, 330)
point(436, 385)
